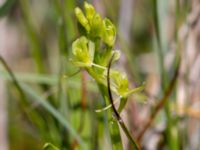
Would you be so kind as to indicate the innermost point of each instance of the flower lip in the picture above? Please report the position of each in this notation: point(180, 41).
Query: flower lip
point(83, 51)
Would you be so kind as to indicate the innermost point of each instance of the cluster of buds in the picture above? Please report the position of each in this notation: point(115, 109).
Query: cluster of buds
point(94, 49)
point(95, 26)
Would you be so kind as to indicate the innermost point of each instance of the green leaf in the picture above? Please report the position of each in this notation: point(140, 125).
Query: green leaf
point(45, 79)
point(61, 119)
point(49, 146)
point(107, 107)
point(135, 90)
point(6, 7)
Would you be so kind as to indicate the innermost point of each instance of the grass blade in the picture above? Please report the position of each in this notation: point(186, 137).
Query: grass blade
point(43, 102)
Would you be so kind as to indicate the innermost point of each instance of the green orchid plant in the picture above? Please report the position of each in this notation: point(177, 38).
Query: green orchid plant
point(94, 50)
point(89, 55)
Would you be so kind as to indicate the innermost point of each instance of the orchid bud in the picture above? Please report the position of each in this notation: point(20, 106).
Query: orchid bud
point(120, 81)
point(89, 10)
point(109, 33)
point(82, 19)
point(116, 54)
point(83, 51)
point(96, 26)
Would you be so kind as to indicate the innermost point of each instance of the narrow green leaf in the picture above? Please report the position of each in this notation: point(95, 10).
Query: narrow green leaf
point(43, 102)
point(45, 79)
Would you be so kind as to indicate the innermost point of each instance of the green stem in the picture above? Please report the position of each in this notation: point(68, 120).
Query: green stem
point(117, 115)
point(112, 124)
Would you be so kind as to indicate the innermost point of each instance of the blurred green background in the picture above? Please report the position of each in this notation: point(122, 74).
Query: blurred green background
point(50, 100)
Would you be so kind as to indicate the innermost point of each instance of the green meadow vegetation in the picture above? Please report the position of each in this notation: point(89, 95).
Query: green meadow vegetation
point(85, 82)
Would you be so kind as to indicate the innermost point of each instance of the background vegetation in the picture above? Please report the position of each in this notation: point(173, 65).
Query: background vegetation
point(49, 100)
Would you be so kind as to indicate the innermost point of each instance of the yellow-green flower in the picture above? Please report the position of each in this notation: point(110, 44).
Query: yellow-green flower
point(109, 33)
point(89, 10)
point(83, 51)
point(120, 82)
point(82, 19)
point(96, 25)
